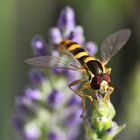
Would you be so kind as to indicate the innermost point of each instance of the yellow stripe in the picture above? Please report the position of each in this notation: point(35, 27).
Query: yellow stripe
point(73, 47)
point(79, 55)
point(63, 45)
point(89, 59)
point(65, 42)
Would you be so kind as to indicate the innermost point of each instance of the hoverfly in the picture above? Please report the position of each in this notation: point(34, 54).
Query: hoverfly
point(96, 75)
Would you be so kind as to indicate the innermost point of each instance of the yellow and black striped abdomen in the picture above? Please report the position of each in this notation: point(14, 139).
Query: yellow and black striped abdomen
point(83, 57)
point(75, 49)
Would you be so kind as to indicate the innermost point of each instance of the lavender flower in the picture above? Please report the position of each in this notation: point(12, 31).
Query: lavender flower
point(48, 109)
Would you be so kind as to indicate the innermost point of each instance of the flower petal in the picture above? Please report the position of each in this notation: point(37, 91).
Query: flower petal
point(66, 19)
point(39, 46)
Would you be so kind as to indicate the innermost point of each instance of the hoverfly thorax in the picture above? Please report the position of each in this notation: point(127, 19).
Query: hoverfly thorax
point(95, 67)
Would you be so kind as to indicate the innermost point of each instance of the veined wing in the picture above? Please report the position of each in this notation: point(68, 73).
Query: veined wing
point(113, 43)
point(53, 62)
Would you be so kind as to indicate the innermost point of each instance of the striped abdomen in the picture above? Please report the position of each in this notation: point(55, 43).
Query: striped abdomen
point(83, 57)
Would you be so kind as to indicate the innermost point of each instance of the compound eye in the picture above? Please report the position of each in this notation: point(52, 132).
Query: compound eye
point(96, 81)
point(107, 78)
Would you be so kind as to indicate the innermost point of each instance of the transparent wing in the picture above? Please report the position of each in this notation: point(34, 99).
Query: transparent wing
point(113, 43)
point(53, 62)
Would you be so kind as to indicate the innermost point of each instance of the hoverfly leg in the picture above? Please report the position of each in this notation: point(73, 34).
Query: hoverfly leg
point(108, 70)
point(87, 86)
point(78, 92)
point(109, 92)
point(82, 69)
point(74, 83)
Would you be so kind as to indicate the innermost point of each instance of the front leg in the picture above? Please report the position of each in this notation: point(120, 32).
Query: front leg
point(108, 70)
point(80, 93)
point(108, 93)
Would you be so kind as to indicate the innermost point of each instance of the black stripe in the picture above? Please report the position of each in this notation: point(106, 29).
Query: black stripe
point(77, 50)
point(69, 44)
point(81, 59)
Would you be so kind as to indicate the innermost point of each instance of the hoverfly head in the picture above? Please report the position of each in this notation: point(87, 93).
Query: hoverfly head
point(101, 82)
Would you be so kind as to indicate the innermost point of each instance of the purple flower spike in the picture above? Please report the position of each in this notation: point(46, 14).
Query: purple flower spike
point(91, 48)
point(55, 98)
point(66, 20)
point(36, 77)
point(39, 46)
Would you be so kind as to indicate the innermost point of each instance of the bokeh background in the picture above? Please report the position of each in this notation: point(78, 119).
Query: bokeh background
point(20, 20)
